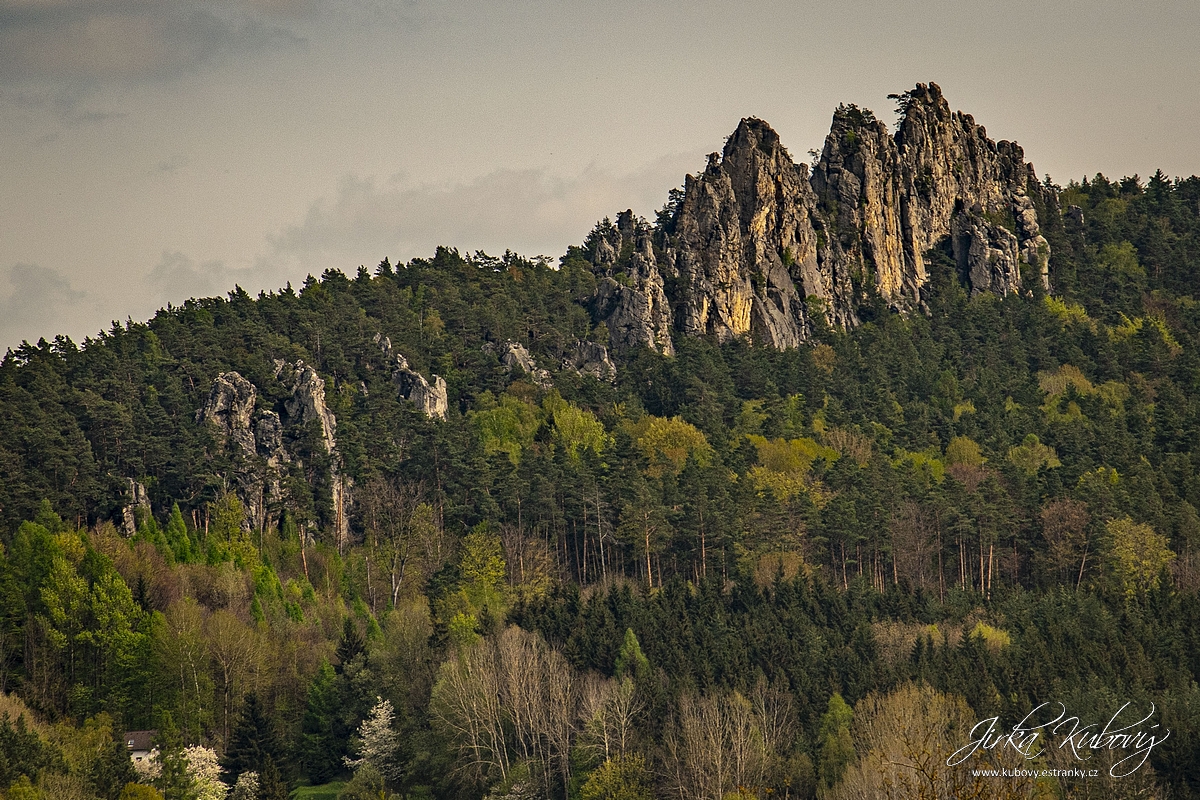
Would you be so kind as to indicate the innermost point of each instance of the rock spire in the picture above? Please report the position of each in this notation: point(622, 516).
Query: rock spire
point(756, 246)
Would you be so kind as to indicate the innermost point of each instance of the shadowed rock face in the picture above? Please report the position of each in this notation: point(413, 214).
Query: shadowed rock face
point(589, 358)
point(256, 441)
point(228, 409)
point(756, 245)
point(630, 295)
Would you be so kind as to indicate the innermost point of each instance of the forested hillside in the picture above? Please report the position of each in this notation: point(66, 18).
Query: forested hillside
point(721, 571)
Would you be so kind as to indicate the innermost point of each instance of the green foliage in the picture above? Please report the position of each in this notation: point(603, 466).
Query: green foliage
point(835, 747)
point(507, 427)
point(176, 535)
point(622, 778)
point(668, 443)
point(631, 661)
point(784, 465)
point(575, 429)
point(23, 789)
point(111, 770)
point(482, 561)
point(964, 451)
point(1138, 555)
point(1031, 455)
point(994, 638)
point(23, 752)
point(139, 791)
point(325, 791)
point(322, 738)
point(367, 784)
point(253, 742)
point(174, 778)
point(746, 511)
point(271, 785)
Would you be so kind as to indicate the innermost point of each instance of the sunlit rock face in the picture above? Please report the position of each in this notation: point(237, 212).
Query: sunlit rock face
point(755, 246)
point(430, 397)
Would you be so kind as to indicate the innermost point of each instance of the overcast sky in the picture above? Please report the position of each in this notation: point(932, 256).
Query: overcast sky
point(155, 150)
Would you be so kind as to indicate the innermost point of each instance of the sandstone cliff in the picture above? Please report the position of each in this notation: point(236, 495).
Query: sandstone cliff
point(230, 411)
point(630, 296)
point(756, 245)
point(307, 404)
point(255, 441)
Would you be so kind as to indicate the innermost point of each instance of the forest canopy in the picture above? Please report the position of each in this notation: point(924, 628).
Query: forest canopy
point(731, 569)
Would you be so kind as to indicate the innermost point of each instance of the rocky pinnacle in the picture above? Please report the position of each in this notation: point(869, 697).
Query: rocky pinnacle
point(757, 246)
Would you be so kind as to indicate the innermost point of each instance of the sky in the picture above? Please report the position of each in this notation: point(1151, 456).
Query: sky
point(156, 150)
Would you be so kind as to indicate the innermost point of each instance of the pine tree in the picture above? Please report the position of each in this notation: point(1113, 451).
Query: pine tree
point(174, 779)
point(836, 746)
point(631, 661)
point(350, 646)
point(111, 770)
point(323, 738)
point(252, 742)
point(271, 785)
point(177, 536)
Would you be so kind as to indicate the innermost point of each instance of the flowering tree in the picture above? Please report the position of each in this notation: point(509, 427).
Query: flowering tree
point(378, 744)
point(206, 773)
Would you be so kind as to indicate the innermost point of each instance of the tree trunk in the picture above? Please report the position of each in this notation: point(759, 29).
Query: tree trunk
point(991, 553)
point(646, 530)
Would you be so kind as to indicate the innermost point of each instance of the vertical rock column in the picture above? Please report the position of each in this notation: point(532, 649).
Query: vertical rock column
point(306, 404)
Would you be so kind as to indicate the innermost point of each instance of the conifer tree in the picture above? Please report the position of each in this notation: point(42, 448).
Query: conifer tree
point(631, 661)
point(271, 785)
point(323, 739)
point(111, 770)
point(177, 535)
point(174, 778)
point(836, 746)
point(252, 742)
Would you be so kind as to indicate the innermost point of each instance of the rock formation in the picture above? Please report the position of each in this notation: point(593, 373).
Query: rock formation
point(514, 356)
point(229, 408)
point(307, 404)
point(229, 411)
point(137, 507)
point(755, 246)
point(630, 296)
point(431, 398)
point(268, 435)
point(257, 443)
point(589, 358)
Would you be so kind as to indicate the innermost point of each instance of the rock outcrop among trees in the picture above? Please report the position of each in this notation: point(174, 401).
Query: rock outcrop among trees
point(757, 246)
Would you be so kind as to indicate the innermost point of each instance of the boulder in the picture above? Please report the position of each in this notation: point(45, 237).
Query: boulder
point(514, 356)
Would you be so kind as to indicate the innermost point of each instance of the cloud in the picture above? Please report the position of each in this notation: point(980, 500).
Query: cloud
point(87, 43)
point(39, 301)
point(178, 277)
point(529, 211)
point(171, 165)
point(532, 212)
